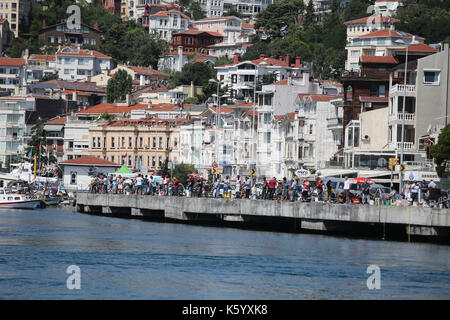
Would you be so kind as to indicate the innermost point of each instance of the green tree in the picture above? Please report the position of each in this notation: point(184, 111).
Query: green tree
point(118, 86)
point(278, 16)
point(427, 18)
point(182, 172)
point(223, 60)
point(191, 100)
point(253, 52)
point(309, 14)
point(356, 9)
point(48, 77)
point(199, 73)
point(233, 12)
point(441, 153)
point(195, 11)
point(38, 143)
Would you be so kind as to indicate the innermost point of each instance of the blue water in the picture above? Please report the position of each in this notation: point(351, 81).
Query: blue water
point(134, 259)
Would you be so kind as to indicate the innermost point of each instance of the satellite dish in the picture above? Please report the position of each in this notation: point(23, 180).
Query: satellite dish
point(381, 162)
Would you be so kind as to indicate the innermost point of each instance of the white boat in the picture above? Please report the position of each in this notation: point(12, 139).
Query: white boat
point(24, 172)
point(17, 201)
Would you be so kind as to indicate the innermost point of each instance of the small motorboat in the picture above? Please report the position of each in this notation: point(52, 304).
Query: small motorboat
point(9, 200)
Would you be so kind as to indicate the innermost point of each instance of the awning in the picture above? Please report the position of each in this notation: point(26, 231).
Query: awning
point(53, 127)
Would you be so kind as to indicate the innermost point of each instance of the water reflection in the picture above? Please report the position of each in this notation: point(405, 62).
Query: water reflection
point(132, 259)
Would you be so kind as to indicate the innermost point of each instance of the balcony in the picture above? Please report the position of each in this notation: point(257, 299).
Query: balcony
point(365, 75)
point(401, 90)
point(335, 124)
point(406, 145)
point(409, 117)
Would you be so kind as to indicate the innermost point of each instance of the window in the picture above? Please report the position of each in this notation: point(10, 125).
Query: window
point(129, 161)
point(93, 142)
point(73, 177)
point(154, 142)
point(153, 161)
point(130, 142)
point(431, 77)
point(382, 90)
point(160, 142)
point(112, 142)
point(160, 161)
point(267, 137)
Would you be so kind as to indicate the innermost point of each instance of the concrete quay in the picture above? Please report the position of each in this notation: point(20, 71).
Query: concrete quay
point(380, 221)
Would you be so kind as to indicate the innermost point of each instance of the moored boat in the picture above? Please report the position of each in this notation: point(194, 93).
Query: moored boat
point(17, 201)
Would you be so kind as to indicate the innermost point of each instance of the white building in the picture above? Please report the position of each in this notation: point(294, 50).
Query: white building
point(166, 23)
point(387, 8)
point(78, 173)
point(378, 43)
point(75, 64)
point(176, 60)
point(38, 66)
point(241, 76)
point(76, 137)
point(360, 27)
point(12, 75)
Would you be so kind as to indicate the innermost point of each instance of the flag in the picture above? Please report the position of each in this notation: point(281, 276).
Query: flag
point(39, 147)
point(125, 155)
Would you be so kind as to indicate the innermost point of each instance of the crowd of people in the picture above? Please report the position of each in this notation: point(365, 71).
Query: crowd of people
point(284, 189)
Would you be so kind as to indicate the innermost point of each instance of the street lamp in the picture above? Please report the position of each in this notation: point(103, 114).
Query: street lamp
point(407, 44)
point(217, 117)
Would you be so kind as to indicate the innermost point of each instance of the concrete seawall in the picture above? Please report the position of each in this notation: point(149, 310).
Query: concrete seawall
point(395, 221)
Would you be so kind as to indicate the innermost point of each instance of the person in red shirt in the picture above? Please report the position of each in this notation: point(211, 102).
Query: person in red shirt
point(320, 189)
point(176, 184)
point(272, 185)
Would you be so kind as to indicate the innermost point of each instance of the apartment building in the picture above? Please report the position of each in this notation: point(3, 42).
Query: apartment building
point(379, 43)
point(38, 66)
point(241, 76)
point(166, 23)
point(18, 114)
point(75, 64)
point(12, 75)
point(360, 27)
point(16, 12)
point(60, 33)
point(143, 143)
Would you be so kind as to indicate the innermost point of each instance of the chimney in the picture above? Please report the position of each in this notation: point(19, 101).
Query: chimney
point(127, 99)
point(236, 58)
point(141, 80)
point(75, 95)
point(96, 25)
point(262, 56)
point(43, 24)
point(191, 90)
point(298, 61)
point(281, 58)
point(180, 58)
point(288, 60)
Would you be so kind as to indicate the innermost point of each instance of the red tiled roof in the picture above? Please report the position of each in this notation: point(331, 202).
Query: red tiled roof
point(144, 122)
point(379, 59)
point(375, 20)
point(90, 161)
point(383, 33)
point(278, 117)
point(197, 32)
point(202, 60)
point(12, 62)
point(222, 110)
point(374, 99)
point(421, 47)
point(246, 25)
point(82, 52)
point(59, 120)
point(111, 108)
point(216, 18)
point(271, 61)
point(45, 57)
point(291, 116)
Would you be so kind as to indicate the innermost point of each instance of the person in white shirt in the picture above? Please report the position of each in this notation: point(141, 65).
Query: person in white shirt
point(347, 184)
point(138, 185)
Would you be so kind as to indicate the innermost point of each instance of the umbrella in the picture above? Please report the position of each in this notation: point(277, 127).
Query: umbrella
point(361, 180)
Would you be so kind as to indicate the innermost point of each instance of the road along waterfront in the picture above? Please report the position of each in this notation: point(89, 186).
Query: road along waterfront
point(135, 259)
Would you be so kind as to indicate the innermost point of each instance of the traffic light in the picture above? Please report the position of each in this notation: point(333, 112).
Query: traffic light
point(393, 162)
